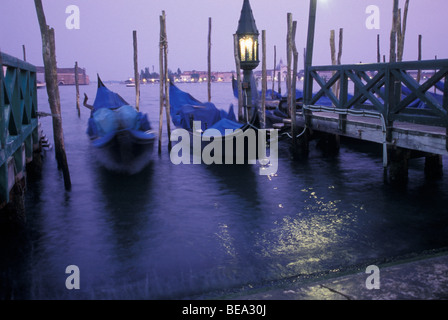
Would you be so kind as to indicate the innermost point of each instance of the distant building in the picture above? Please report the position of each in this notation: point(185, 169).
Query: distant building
point(66, 76)
point(202, 76)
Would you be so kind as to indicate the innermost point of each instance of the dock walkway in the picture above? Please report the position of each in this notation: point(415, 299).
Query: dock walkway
point(422, 278)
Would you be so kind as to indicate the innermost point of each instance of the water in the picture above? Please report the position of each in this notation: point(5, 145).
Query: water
point(174, 232)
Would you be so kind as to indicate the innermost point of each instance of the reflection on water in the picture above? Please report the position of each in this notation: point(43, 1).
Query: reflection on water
point(181, 231)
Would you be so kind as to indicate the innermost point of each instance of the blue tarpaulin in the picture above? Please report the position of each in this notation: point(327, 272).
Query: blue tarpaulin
point(185, 109)
point(112, 113)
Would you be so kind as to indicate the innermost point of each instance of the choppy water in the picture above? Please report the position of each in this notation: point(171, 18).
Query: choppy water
point(181, 231)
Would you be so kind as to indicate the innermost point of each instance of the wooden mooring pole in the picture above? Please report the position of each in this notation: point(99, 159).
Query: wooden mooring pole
point(295, 56)
point(273, 72)
point(209, 61)
point(136, 73)
point(24, 52)
point(289, 60)
point(164, 82)
point(263, 79)
point(378, 50)
point(419, 58)
point(51, 78)
point(77, 89)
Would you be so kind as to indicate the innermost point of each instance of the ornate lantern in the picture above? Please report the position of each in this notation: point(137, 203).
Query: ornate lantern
point(247, 34)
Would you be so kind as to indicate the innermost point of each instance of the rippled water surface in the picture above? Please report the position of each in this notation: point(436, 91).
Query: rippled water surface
point(187, 230)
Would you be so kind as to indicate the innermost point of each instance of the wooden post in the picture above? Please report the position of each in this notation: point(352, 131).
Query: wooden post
point(136, 73)
point(161, 82)
point(308, 86)
point(77, 89)
point(399, 35)
point(164, 82)
point(402, 32)
point(435, 88)
point(238, 77)
point(419, 72)
point(289, 60)
point(336, 60)
point(51, 78)
point(167, 80)
point(209, 63)
point(273, 72)
point(332, 48)
point(279, 82)
point(341, 41)
point(339, 60)
point(393, 33)
point(294, 84)
point(378, 50)
point(263, 80)
point(333, 52)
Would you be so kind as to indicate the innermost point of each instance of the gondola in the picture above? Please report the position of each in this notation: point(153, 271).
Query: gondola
point(121, 136)
point(221, 135)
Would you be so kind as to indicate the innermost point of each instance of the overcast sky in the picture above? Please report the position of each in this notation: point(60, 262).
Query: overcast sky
point(103, 42)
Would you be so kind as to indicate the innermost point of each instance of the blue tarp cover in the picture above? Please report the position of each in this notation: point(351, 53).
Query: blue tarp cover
point(107, 99)
point(185, 109)
point(112, 113)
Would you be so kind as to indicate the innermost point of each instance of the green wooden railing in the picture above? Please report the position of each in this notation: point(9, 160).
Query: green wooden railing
point(386, 88)
point(18, 121)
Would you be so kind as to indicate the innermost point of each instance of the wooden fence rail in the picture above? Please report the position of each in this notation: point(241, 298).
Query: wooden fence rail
point(19, 136)
point(387, 88)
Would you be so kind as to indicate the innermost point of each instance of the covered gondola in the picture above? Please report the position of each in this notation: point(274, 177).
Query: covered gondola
point(120, 135)
point(228, 140)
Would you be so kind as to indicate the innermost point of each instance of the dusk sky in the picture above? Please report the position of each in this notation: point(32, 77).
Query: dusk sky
point(103, 42)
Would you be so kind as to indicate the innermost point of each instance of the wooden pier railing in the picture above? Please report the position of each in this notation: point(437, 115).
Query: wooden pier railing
point(386, 88)
point(19, 136)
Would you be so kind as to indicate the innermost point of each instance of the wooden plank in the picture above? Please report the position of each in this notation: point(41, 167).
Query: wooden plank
point(410, 136)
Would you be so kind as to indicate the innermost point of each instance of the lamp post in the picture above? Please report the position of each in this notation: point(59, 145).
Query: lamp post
point(247, 35)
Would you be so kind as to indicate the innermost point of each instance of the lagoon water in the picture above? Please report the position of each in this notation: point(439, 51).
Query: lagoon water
point(176, 232)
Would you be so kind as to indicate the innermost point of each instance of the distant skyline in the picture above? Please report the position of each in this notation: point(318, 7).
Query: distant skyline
point(103, 42)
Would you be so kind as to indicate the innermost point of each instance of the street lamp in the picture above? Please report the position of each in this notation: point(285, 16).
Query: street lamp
point(247, 35)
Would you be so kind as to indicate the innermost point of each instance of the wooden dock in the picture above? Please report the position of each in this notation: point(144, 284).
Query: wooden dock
point(386, 105)
point(424, 138)
point(19, 128)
